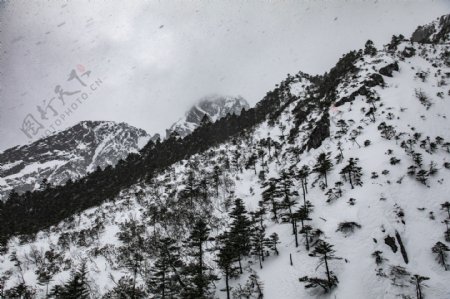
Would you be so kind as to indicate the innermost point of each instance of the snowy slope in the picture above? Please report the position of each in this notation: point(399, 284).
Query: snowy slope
point(368, 116)
point(69, 154)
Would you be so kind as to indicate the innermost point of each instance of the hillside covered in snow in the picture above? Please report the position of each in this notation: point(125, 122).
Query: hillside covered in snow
point(333, 186)
point(68, 155)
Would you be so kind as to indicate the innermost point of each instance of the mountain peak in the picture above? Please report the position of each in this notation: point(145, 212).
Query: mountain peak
point(215, 106)
point(68, 154)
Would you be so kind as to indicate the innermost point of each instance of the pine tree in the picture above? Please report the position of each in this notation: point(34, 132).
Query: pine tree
point(258, 243)
point(47, 269)
point(340, 156)
point(285, 185)
point(131, 253)
point(206, 120)
point(418, 282)
point(77, 287)
point(125, 289)
point(272, 242)
point(323, 166)
point(261, 155)
point(251, 162)
point(226, 258)
point(200, 280)
point(302, 175)
point(440, 250)
point(352, 172)
point(191, 189)
point(260, 213)
point(269, 196)
point(165, 280)
point(369, 48)
point(217, 173)
point(240, 230)
point(302, 214)
point(325, 252)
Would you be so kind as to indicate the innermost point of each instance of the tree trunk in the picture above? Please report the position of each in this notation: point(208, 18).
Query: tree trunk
point(274, 210)
point(350, 178)
point(226, 284)
point(328, 270)
point(240, 266)
point(306, 185)
point(419, 291)
point(292, 218)
point(441, 254)
point(307, 240)
point(134, 282)
point(200, 272)
point(304, 193)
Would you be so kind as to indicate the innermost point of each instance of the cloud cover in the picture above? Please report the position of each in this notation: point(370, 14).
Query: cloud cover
point(156, 58)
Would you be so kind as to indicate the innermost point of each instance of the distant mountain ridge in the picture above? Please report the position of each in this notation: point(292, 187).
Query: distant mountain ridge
point(69, 154)
point(214, 106)
point(76, 151)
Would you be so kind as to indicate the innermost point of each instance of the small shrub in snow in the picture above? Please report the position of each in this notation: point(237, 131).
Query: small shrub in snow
point(348, 227)
point(422, 176)
point(378, 257)
point(412, 170)
point(351, 201)
point(423, 98)
point(394, 161)
point(387, 131)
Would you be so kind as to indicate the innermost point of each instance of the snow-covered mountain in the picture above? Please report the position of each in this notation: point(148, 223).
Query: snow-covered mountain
point(436, 32)
point(343, 181)
point(69, 154)
point(214, 106)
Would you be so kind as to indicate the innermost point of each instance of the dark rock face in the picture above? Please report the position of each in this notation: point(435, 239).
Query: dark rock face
point(409, 52)
point(389, 69)
point(390, 241)
point(69, 154)
point(320, 133)
point(215, 107)
point(436, 32)
point(375, 79)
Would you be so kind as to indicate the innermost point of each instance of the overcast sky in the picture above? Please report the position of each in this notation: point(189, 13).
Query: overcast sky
point(156, 58)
